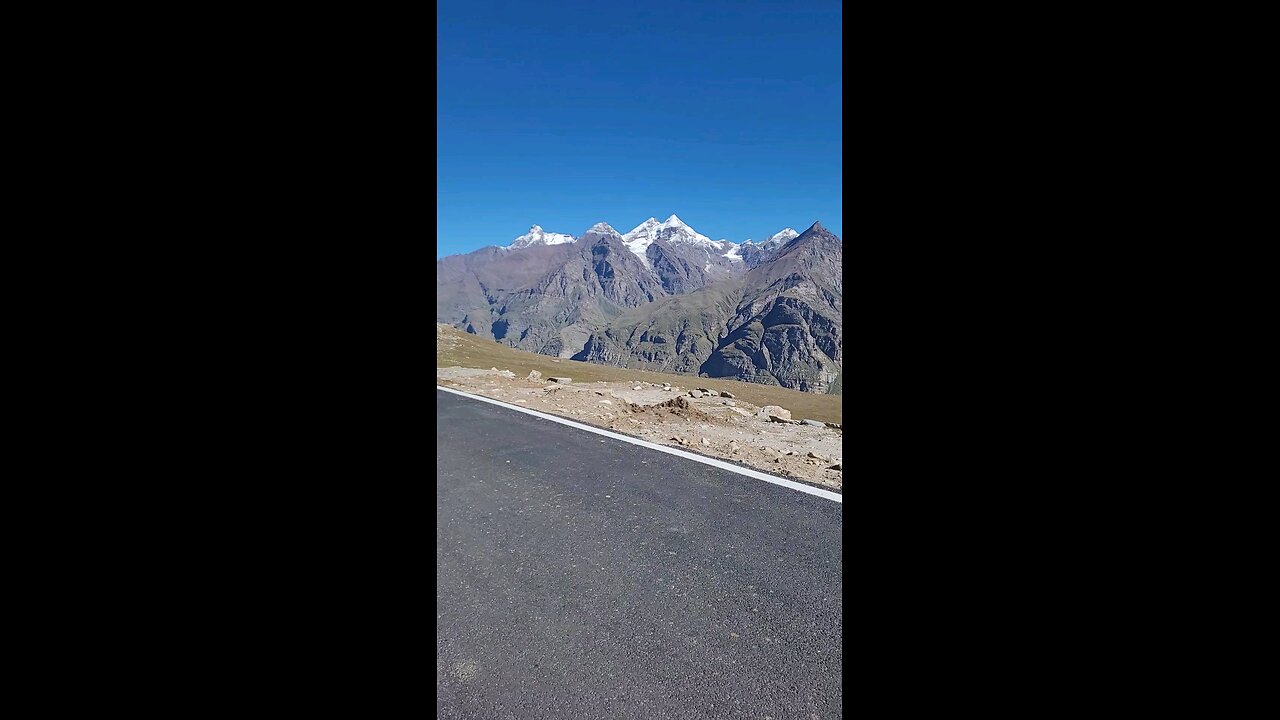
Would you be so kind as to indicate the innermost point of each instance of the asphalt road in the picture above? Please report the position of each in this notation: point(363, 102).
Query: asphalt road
point(577, 578)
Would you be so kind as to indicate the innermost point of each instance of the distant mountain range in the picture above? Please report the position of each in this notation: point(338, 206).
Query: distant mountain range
point(660, 297)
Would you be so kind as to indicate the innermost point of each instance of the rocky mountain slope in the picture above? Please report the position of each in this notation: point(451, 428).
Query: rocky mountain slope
point(661, 297)
point(780, 324)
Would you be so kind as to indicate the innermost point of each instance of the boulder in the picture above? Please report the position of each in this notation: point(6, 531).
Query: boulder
point(816, 456)
point(724, 393)
point(534, 375)
point(814, 423)
point(695, 393)
point(638, 387)
point(566, 381)
point(773, 411)
point(836, 466)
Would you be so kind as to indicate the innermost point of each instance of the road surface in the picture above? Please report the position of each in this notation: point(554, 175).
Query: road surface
point(577, 578)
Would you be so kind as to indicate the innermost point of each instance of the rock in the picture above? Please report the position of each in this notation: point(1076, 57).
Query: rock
point(555, 359)
point(709, 393)
point(695, 393)
point(668, 389)
point(814, 423)
point(778, 459)
point(724, 393)
point(816, 456)
point(772, 411)
point(534, 375)
point(706, 441)
point(638, 387)
point(606, 402)
point(775, 418)
point(834, 425)
point(836, 466)
point(566, 381)
point(769, 451)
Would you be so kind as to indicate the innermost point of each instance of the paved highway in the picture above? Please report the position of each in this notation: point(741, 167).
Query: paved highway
point(579, 576)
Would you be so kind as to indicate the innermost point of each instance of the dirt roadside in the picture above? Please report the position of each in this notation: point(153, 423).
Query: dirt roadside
point(709, 424)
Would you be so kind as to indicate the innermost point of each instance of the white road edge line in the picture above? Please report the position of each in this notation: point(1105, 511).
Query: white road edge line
point(660, 448)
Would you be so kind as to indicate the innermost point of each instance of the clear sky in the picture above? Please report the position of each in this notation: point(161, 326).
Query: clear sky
point(565, 114)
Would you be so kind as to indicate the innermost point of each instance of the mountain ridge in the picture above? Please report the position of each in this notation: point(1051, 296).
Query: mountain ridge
point(661, 296)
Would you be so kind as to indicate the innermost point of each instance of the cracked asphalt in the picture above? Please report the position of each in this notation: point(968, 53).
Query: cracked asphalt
point(584, 577)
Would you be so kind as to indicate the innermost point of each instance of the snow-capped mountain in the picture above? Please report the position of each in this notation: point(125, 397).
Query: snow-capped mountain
point(755, 253)
point(663, 296)
point(641, 237)
point(781, 238)
point(678, 238)
point(536, 236)
point(672, 230)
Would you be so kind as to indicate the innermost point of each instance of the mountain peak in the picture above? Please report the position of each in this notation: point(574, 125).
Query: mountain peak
point(817, 225)
point(673, 220)
point(537, 236)
point(780, 237)
point(603, 227)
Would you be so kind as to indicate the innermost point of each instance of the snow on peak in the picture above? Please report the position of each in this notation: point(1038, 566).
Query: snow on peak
point(674, 230)
point(641, 237)
point(781, 237)
point(536, 236)
point(602, 227)
point(648, 227)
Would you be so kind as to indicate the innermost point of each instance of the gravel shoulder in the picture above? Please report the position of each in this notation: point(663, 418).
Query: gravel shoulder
point(767, 439)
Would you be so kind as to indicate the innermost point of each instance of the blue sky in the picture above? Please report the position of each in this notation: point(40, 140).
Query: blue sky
point(565, 114)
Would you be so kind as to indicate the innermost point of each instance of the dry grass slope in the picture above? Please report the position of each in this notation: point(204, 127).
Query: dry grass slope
point(455, 347)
